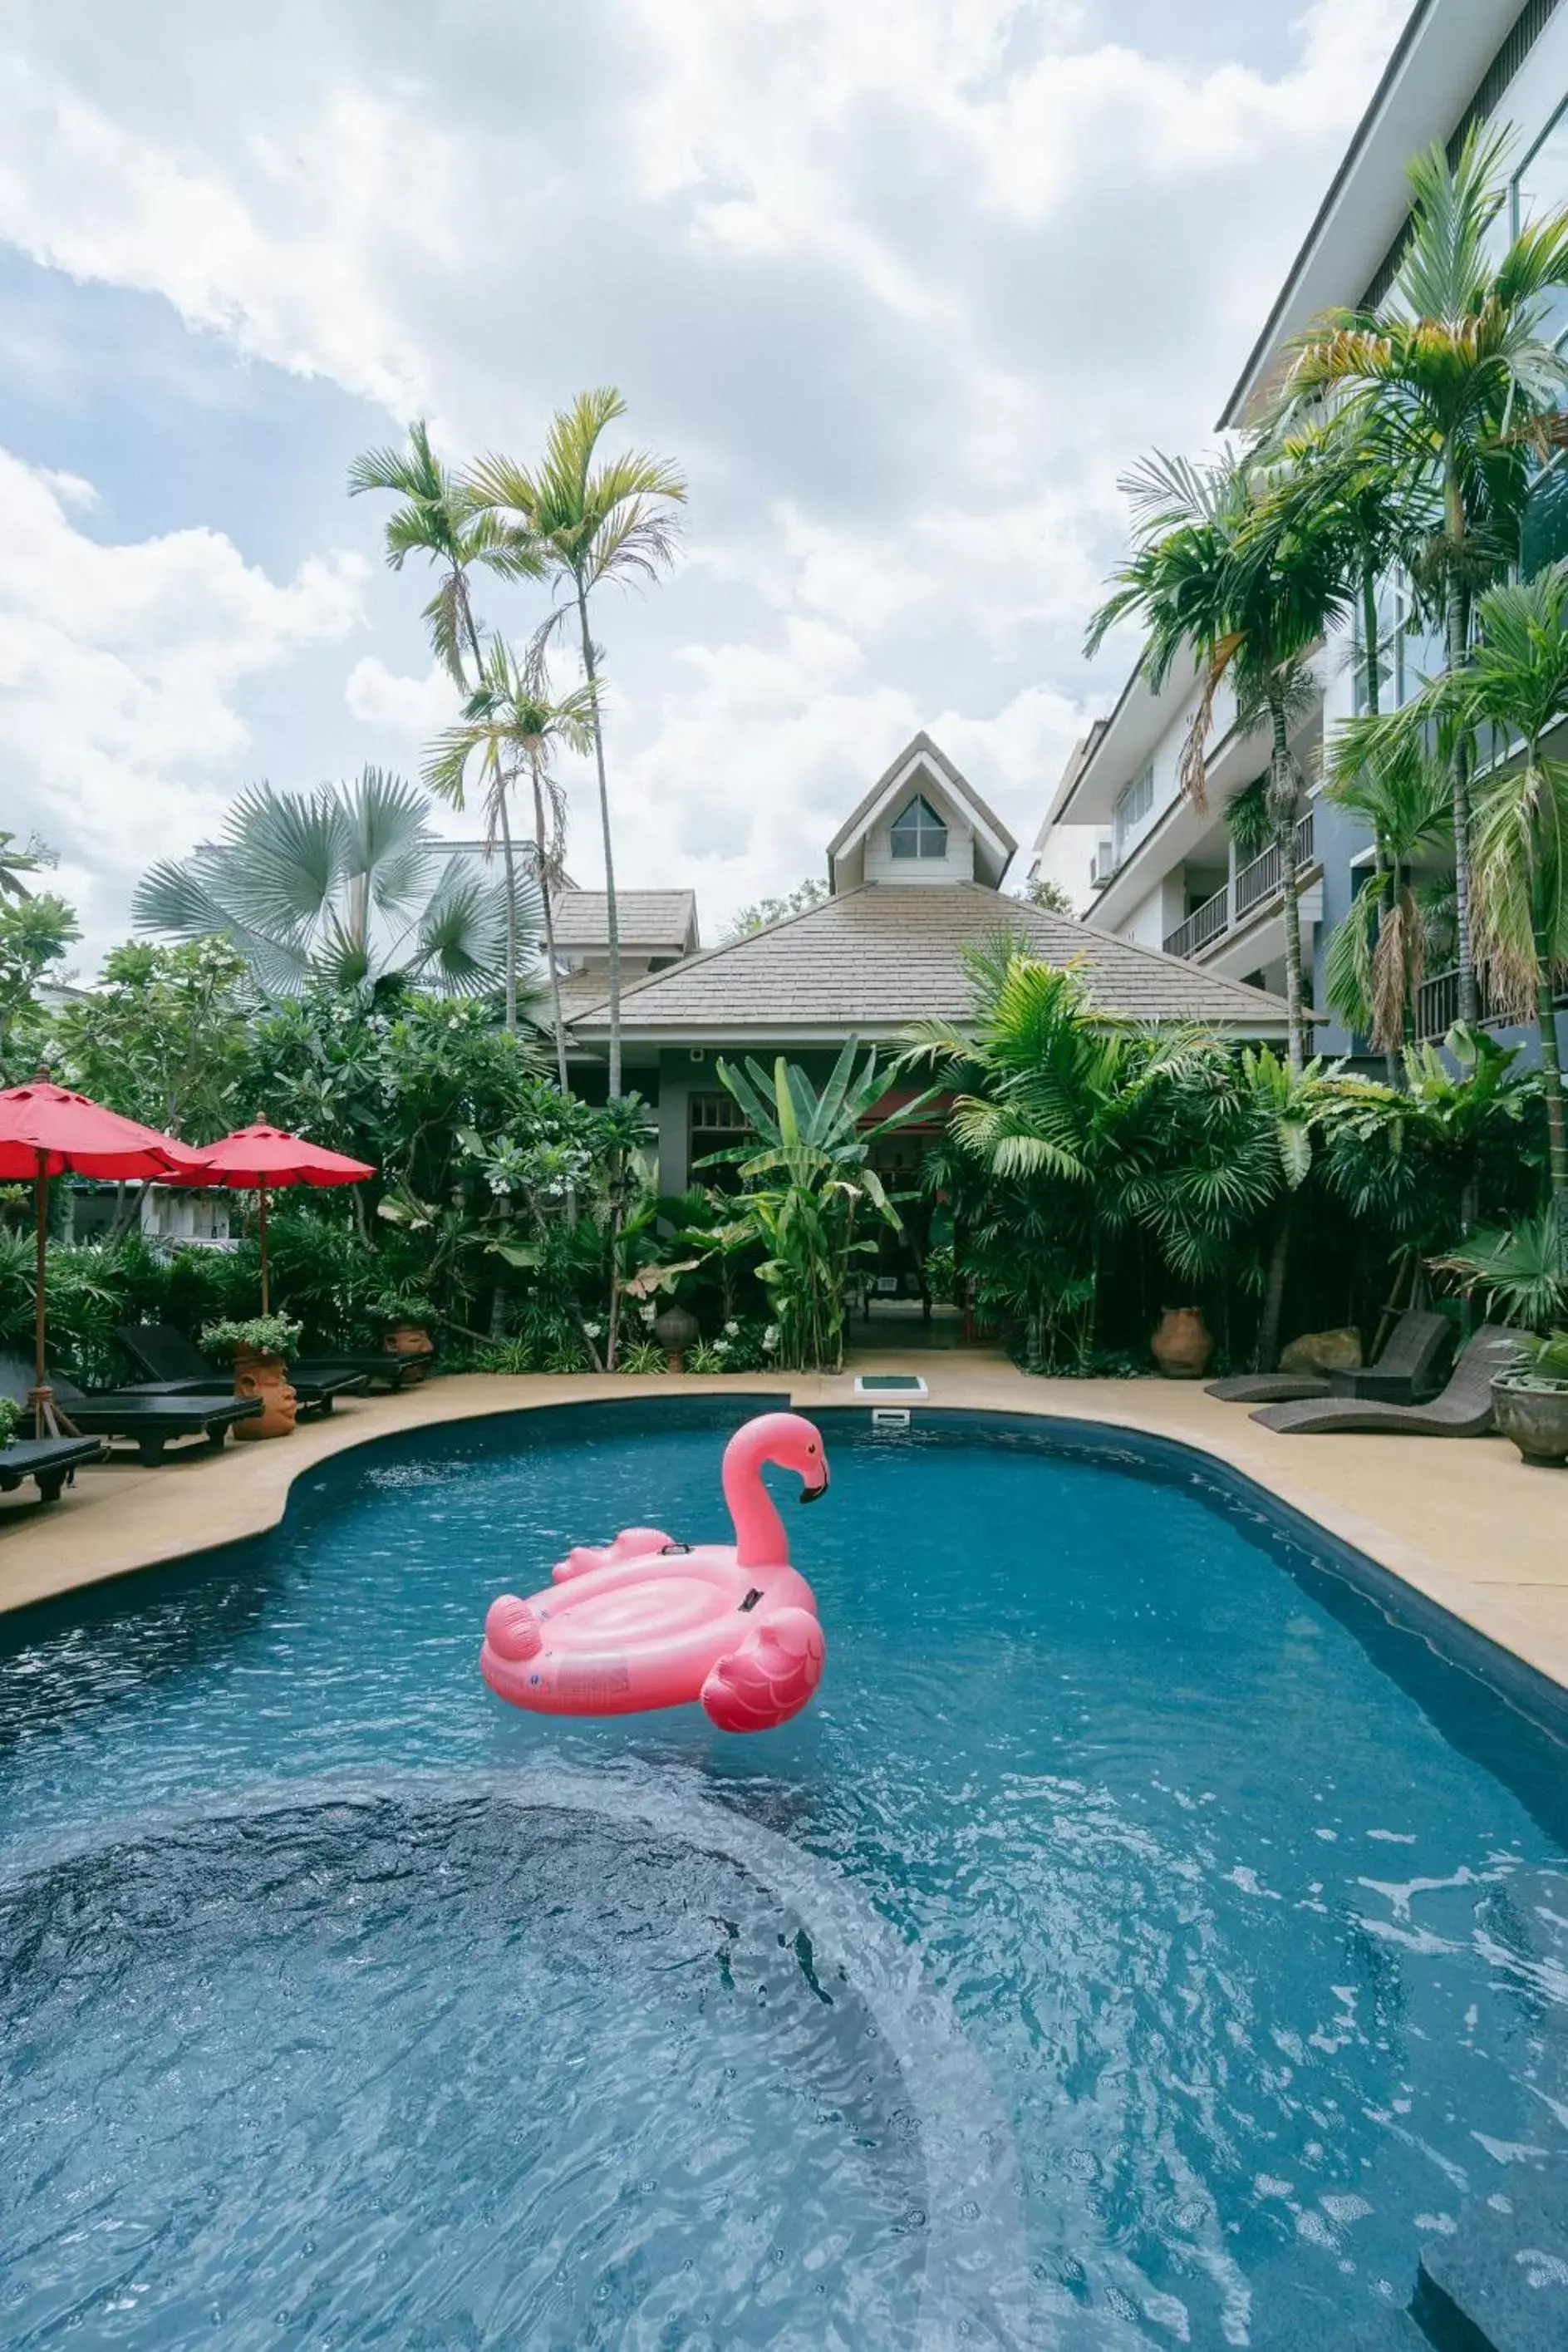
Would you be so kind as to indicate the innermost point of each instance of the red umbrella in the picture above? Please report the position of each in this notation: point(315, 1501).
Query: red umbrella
point(46, 1130)
point(254, 1159)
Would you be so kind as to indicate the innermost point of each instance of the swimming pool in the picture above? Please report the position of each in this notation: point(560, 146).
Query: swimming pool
point(1144, 1938)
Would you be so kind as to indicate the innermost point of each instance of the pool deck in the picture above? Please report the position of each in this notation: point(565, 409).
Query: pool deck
point(1465, 1522)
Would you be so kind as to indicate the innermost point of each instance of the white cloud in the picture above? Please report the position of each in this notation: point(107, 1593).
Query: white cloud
point(119, 665)
point(413, 707)
point(904, 285)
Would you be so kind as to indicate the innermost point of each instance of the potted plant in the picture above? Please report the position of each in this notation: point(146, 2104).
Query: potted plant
point(404, 1315)
point(1532, 1401)
point(258, 1348)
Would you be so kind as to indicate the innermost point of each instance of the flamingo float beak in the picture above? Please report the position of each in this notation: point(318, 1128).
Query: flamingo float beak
point(815, 1494)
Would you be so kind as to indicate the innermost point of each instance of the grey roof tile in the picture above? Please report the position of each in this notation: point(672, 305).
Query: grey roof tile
point(886, 954)
point(649, 918)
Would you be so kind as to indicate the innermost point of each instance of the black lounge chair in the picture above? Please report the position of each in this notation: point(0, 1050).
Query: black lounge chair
point(50, 1461)
point(1406, 1370)
point(177, 1364)
point(149, 1422)
point(1463, 1409)
point(174, 1367)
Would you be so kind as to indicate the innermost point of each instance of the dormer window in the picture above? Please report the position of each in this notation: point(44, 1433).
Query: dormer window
point(919, 832)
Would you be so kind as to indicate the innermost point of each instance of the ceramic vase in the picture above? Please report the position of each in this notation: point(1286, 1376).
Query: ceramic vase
point(1183, 1344)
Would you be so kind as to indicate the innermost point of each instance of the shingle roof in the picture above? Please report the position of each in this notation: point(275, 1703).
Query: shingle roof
point(886, 954)
point(649, 918)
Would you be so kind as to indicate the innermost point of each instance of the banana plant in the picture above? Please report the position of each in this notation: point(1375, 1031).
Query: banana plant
point(808, 1176)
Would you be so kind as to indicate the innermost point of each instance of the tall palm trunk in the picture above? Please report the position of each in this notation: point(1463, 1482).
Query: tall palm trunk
point(1285, 834)
point(1456, 649)
point(1274, 1294)
point(509, 860)
point(1551, 1069)
point(466, 610)
point(542, 865)
point(1386, 876)
point(613, 923)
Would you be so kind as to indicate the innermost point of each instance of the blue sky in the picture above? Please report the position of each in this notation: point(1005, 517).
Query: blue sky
point(902, 287)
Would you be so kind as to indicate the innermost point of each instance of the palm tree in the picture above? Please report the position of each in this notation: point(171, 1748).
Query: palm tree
point(1059, 1099)
point(1376, 956)
point(1516, 686)
point(514, 724)
point(1453, 383)
point(1226, 571)
point(583, 521)
point(439, 519)
point(333, 886)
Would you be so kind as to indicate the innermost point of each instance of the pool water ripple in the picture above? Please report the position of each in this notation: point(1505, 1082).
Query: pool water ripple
point(1136, 1943)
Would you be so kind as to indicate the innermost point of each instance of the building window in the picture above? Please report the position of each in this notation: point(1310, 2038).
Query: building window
point(919, 832)
point(1132, 806)
point(1541, 188)
point(1409, 648)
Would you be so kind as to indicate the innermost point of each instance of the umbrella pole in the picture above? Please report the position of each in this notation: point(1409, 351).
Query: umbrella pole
point(48, 1420)
point(261, 1211)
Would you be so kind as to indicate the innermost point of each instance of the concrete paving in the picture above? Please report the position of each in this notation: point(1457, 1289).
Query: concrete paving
point(1464, 1521)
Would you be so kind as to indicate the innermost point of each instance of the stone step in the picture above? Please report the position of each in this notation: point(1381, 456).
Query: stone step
point(1500, 2283)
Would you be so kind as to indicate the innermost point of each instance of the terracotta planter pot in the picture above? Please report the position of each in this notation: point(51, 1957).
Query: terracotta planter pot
point(408, 1340)
point(1536, 1419)
point(1183, 1344)
point(266, 1377)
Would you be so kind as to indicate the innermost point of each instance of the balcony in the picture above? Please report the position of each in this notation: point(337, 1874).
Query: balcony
point(1252, 887)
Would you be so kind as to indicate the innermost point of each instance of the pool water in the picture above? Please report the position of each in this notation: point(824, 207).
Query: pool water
point(1140, 1941)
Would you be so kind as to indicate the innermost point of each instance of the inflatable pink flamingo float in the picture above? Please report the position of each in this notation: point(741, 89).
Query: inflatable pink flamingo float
point(647, 1622)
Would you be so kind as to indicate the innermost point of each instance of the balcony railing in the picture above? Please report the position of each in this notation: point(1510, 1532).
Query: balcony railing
point(1254, 884)
point(1259, 880)
point(1205, 923)
point(1437, 1003)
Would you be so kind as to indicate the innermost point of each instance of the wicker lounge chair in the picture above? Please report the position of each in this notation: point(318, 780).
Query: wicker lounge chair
point(178, 1365)
point(175, 1367)
point(50, 1461)
point(149, 1422)
point(1464, 1409)
point(1407, 1370)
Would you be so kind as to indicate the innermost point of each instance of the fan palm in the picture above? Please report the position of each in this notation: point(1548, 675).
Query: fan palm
point(583, 521)
point(514, 725)
point(333, 886)
point(1227, 572)
point(1376, 955)
point(1455, 384)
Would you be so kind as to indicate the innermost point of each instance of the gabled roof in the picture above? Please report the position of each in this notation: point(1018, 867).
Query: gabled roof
point(876, 958)
point(921, 750)
point(663, 921)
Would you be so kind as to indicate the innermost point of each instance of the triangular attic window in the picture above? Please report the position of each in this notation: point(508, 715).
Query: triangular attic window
point(918, 831)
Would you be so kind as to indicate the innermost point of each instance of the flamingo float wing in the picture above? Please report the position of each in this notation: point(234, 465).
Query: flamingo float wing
point(769, 1676)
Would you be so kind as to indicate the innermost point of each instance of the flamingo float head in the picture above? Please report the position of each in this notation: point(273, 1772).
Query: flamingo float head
point(789, 1440)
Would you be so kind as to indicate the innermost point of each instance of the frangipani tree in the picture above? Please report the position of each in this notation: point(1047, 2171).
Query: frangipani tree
point(343, 885)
